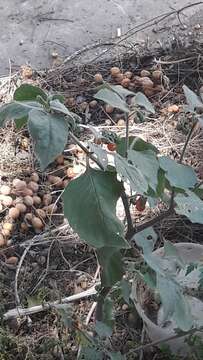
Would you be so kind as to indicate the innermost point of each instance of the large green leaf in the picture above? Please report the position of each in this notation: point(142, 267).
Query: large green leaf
point(146, 162)
point(191, 206)
point(135, 143)
point(102, 329)
point(16, 110)
point(59, 97)
point(174, 303)
point(89, 353)
point(56, 105)
point(192, 99)
point(146, 239)
point(112, 98)
point(141, 100)
point(121, 91)
point(131, 174)
point(90, 207)
point(49, 133)
point(21, 122)
point(27, 92)
point(118, 89)
point(117, 356)
point(178, 175)
point(100, 153)
point(111, 263)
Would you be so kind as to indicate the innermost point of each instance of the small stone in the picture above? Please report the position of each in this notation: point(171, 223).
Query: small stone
point(108, 122)
point(125, 307)
point(197, 27)
point(54, 55)
point(173, 109)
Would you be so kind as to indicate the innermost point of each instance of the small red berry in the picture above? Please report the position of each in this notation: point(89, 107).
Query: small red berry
point(141, 203)
point(111, 146)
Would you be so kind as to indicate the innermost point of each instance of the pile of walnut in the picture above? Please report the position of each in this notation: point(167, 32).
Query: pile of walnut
point(151, 83)
point(28, 205)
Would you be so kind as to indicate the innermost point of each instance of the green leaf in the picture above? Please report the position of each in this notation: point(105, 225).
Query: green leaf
point(174, 303)
point(116, 356)
point(49, 133)
point(110, 260)
point(178, 175)
point(16, 110)
point(150, 279)
point(121, 91)
point(192, 99)
point(100, 153)
point(59, 97)
point(191, 206)
point(66, 311)
point(135, 143)
point(111, 98)
point(21, 122)
point(170, 251)
point(102, 329)
point(131, 174)
point(90, 353)
point(27, 92)
point(34, 300)
point(93, 215)
point(198, 191)
point(141, 100)
point(139, 144)
point(190, 268)
point(105, 328)
point(146, 239)
point(56, 105)
point(118, 89)
point(146, 162)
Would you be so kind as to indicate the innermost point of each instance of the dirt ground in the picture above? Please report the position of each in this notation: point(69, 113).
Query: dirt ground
point(31, 31)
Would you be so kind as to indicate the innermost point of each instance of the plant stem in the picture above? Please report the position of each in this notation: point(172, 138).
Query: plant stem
point(100, 303)
point(127, 135)
point(127, 213)
point(186, 142)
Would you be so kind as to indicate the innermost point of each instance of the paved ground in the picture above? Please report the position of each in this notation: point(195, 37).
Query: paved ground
point(31, 30)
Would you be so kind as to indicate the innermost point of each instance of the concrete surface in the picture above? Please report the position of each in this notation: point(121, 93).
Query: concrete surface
point(32, 30)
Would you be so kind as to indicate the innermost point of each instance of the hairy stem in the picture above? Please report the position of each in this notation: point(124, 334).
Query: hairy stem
point(186, 142)
point(126, 205)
